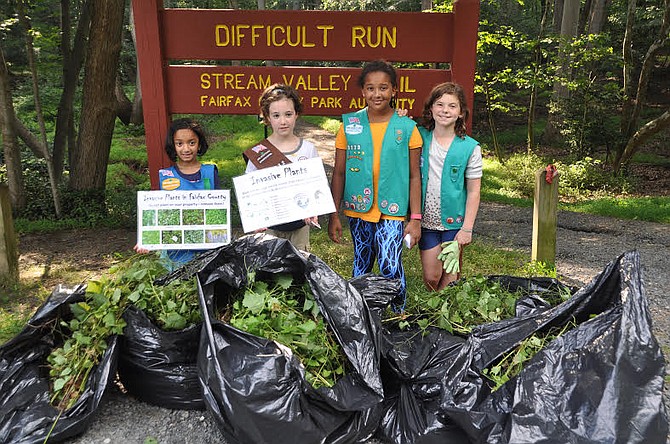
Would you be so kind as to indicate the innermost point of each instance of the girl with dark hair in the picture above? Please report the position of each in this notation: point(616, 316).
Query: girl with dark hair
point(377, 178)
point(184, 143)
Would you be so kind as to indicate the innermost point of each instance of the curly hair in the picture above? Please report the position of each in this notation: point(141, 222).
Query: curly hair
point(426, 120)
point(274, 93)
point(181, 124)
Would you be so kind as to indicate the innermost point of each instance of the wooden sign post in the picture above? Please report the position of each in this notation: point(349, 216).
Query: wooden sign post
point(545, 218)
point(178, 76)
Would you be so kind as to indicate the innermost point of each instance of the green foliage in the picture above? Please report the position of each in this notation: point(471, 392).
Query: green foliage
point(652, 209)
point(512, 362)
point(463, 305)
point(93, 321)
point(172, 307)
point(290, 316)
point(580, 180)
point(585, 115)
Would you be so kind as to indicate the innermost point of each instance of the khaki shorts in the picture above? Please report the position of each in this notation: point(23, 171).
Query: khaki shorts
point(299, 238)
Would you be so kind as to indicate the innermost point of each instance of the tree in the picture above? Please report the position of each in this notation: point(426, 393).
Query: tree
point(89, 159)
point(12, 153)
point(635, 93)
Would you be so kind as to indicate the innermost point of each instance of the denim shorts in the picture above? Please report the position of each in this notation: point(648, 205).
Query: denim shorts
point(432, 238)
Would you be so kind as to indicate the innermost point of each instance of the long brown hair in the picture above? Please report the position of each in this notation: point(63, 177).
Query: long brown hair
point(427, 121)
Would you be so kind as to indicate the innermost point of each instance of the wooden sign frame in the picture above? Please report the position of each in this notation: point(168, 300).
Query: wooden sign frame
point(192, 72)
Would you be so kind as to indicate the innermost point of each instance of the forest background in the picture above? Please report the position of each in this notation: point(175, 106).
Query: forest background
point(581, 83)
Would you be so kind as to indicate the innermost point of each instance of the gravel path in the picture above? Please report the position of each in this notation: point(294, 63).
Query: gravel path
point(585, 244)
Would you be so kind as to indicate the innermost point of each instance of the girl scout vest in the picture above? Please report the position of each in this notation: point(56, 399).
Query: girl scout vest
point(169, 179)
point(393, 180)
point(453, 192)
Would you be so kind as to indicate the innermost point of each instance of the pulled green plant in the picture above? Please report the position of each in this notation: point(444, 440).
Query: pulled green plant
point(288, 314)
point(172, 307)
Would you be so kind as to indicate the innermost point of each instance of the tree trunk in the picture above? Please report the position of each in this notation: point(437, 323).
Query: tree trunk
point(569, 23)
point(597, 16)
point(73, 60)
point(640, 137)
point(558, 16)
point(90, 158)
point(530, 140)
point(11, 150)
point(137, 115)
point(44, 144)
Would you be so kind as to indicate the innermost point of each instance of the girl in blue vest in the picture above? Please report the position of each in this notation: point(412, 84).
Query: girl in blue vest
point(377, 178)
point(184, 143)
point(451, 172)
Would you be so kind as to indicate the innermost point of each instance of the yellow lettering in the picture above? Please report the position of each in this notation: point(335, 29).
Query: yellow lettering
point(404, 86)
point(408, 102)
point(390, 36)
point(240, 34)
point(204, 81)
point(297, 35)
point(325, 29)
point(345, 80)
point(275, 41)
point(363, 36)
point(255, 34)
point(219, 40)
point(357, 33)
point(305, 43)
point(288, 80)
point(264, 83)
point(357, 103)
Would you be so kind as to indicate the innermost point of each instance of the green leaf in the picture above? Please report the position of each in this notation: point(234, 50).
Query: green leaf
point(284, 280)
point(60, 383)
point(254, 302)
point(109, 319)
point(173, 321)
point(134, 296)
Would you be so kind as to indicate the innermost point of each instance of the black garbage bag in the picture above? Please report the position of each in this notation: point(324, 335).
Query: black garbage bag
point(413, 366)
point(414, 363)
point(601, 381)
point(255, 388)
point(26, 415)
point(160, 367)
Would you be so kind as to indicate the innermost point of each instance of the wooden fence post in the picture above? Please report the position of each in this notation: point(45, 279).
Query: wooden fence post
point(545, 215)
point(9, 255)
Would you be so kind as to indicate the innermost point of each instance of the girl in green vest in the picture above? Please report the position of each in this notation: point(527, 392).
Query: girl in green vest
point(377, 178)
point(451, 172)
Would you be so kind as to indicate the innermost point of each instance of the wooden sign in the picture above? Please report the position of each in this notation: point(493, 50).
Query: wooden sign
point(189, 59)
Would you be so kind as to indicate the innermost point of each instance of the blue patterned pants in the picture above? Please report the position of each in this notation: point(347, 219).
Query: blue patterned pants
point(380, 241)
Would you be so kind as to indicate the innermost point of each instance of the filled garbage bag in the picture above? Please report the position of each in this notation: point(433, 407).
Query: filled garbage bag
point(601, 381)
point(26, 415)
point(160, 367)
point(414, 363)
point(256, 388)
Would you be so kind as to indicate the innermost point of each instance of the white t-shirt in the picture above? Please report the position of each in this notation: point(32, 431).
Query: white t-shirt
point(433, 204)
point(304, 150)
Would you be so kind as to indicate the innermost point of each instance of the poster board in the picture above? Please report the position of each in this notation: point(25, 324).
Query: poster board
point(283, 193)
point(183, 220)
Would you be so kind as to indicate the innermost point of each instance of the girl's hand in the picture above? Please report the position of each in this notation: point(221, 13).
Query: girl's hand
point(463, 238)
point(402, 112)
point(312, 221)
point(413, 228)
point(260, 230)
point(335, 228)
point(140, 250)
